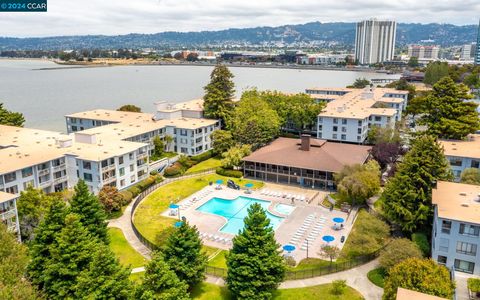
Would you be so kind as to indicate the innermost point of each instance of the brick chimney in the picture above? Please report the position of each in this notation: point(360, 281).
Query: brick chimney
point(305, 145)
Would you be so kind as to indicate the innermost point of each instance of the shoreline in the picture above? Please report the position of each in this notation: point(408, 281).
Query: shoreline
point(79, 65)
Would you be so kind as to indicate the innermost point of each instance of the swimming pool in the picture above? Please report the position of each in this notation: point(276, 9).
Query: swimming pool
point(235, 211)
point(284, 209)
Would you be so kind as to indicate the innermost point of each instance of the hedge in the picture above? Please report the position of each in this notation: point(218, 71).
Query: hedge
point(473, 284)
point(421, 240)
point(175, 170)
point(143, 185)
point(229, 173)
point(127, 196)
point(203, 156)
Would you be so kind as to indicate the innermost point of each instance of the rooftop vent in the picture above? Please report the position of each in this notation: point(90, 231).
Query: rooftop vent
point(464, 204)
point(463, 194)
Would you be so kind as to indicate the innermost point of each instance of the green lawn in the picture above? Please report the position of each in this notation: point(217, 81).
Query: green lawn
point(219, 260)
point(209, 291)
point(377, 277)
point(164, 155)
point(122, 249)
point(205, 165)
point(147, 216)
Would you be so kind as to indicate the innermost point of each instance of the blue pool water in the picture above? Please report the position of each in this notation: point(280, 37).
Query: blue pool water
point(235, 211)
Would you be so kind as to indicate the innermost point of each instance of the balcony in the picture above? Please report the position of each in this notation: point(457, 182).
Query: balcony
point(108, 180)
point(45, 183)
point(108, 168)
point(59, 167)
point(142, 155)
point(43, 172)
point(59, 179)
point(8, 215)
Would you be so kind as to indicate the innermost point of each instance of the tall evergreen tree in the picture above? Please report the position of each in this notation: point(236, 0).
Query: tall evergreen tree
point(219, 94)
point(104, 278)
point(91, 213)
point(446, 113)
point(255, 266)
point(11, 118)
point(13, 263)
point(71, 253)
point(160, 282)
point(407, 196)
point(45, 234)
point(183, 253)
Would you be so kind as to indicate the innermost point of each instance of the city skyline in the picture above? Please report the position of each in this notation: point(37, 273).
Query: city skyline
point(147, 16)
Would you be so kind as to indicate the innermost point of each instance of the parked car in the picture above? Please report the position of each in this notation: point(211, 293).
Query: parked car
point(232, 185)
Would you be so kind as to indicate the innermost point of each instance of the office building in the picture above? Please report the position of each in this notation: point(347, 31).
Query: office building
point(462, 154)
point(350, 113)
point(456, 226)
point(375, 41)
point(423, 52)
point(306, 162)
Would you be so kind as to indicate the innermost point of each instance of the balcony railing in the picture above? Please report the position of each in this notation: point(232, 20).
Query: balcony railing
point(45, 183)
point(59, 167)
point(60, 179)
point(43, 172)
point(107, 180)
point(8, 215)
point(12, 228)
point(142, 155)
point(108, 168)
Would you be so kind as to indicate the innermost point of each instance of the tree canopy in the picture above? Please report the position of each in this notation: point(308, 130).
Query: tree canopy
point(222, 140)
point(110, 198)
point(446, 113)
point(130, 108)
point(11, 118)
point(397, 251)
point(360, 83)
point(407, 195)
point(255, 266)
point(434, 71)
point(421, 275)
point(233, 156)
point(183, 253)
point(219, 94)
point(470, 176)
point(359, 182)
point(254, 122)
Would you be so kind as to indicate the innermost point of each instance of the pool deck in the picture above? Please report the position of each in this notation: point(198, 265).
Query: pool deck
point(321, 223)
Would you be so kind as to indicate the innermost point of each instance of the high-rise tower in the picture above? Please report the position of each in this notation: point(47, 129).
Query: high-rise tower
point(375, 41)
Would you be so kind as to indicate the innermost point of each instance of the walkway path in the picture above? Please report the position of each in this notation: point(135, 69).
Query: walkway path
point(123, 223)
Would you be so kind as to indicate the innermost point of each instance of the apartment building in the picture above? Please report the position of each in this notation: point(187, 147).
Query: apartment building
point(476, 57)
point(183, 122)
point(350, 113)
point(321, 59)
point(375, 41)
point(456, 226)
point(9, 213)
point(462, 154)
point(423, 52)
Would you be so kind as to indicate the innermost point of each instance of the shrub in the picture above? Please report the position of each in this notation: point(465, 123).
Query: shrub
point(146, 183)
point(473, 285)
point(110, 198)
point(229, 173)
point(127, 196)
point(158, 179)
point(154, 172)
point(421, 240)
point(134, 190)
point(174, 170)
point(290, 261)
point(203, 156)
point(397, 251)
point(339, 287)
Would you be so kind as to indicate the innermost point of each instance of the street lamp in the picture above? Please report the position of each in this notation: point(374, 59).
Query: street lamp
point(307, 247)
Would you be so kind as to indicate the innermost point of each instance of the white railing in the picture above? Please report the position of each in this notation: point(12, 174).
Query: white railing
point(59, 167)
point(45, 183)
point(109, 179)
point(108, 168)
point(43, 172)
point(60, 179)
point(8, 215)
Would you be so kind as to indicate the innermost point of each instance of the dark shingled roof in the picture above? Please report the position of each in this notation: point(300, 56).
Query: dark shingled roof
point(322, 156)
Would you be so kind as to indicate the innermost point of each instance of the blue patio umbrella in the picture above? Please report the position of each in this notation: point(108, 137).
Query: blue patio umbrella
point(289, 248)
point(328, 238)
point(249, 185)
point(338, 220)
point(173, 206)
point(178, 224)
point(219, 181)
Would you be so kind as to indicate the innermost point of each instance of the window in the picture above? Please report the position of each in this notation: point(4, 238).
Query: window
point(475, 164)
point(455, 162)
point(27, 184)
point(358, 138)
point(74, 128)
point(335, 121)
point(378, 118)
point(469, 230)
point(334, 136)
point(132, 167)
point(464, 266)
point(466, 248)
point(359, 131)
point(12, 189)
point(443, 245)
point(446, 226)
point(320, 120)
point(344, 121)
point(122, 182)
point(87, 165)
point(442, 260)
point(335, 128)
point(27, 172)
point(320, 127)
point(122, 171)
point(344, 129)
point(359, 123)
point(344, 137)
point(10, 177)
point(132, 179)
point(120, 160)
point(87, 177)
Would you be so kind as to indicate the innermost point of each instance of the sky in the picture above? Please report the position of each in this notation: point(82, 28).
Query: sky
point(112, 17)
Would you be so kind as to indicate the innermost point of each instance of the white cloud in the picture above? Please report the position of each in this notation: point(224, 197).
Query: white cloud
point(151, 16)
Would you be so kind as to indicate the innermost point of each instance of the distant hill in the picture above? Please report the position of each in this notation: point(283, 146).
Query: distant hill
point(295, 35)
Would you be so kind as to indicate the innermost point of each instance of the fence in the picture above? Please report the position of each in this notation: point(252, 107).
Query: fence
point(149, 244)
